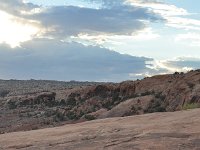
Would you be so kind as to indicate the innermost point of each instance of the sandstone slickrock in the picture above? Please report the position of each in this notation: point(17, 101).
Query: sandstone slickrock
point(158, 131)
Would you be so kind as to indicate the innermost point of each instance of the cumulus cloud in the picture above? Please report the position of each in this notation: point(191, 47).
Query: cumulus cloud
point(180, 64)
point(45, 56)
point(14, 30)
point(16, 7)
point(52, 59)
point(15, 26)
point(160, 7)
point(61, 22)
point(192, 39)
point(115, 40)
point(71, 20)
point(48, 58)
point(175, 17)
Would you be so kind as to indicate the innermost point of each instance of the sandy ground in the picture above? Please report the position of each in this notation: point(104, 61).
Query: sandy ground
point(158, 131)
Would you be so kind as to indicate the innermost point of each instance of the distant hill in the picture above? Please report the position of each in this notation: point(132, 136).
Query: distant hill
point(35, 104)
point(22, 87)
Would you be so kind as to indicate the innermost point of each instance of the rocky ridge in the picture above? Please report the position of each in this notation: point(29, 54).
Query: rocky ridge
point(160, 93)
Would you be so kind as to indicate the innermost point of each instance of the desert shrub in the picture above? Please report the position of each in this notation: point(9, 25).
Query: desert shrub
point(71, 102)
point(134, 95)
point(156, 105)
point(62, 102)
point(198, 70)
point(81, 114)
point(195, 99)
point(191, 85)
point(35, 128)
point(176, 73)
point(50, 112)
point(147, 93)
point(134, 111)
point(90, 117)
point(59, 116)
point(12, 104)
point(160, 96)
point(115, 96)
point(130, 96)
point(72, 116)
point(190, 106)
point(4, 93)
point(108, 104)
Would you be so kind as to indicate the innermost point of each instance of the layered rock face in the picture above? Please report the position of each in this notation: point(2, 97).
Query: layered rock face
point(156, 94)
point(48, 109)
point(46, 99)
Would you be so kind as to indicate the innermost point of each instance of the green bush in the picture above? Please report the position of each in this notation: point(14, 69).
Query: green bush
point(190, 106)
point(156, 105)
point(4, 93)
point(60, 116)
point(72, 116)
point(146, 93)
point(90, 117)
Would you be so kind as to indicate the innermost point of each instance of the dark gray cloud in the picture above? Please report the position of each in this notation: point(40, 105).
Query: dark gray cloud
point(71, 20)
point(116, 18)
point(51, 59)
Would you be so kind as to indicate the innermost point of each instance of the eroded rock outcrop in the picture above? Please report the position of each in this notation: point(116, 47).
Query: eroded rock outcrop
point(156, 94)
point(46, 98)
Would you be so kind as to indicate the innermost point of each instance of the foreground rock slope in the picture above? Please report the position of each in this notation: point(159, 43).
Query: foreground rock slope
point(157, 131)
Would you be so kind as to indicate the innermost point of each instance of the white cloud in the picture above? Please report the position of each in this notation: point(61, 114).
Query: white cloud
point(140, 75)
point(179, 64)
point(175, 17)
point(160, 7)
point(14, 30)
point(114, 40)
point(192, 39)
point(184, 23)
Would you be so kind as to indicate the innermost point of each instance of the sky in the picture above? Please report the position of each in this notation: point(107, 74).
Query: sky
point(98, 40)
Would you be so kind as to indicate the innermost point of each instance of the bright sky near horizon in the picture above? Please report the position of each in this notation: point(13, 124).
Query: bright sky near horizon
point(87, 39)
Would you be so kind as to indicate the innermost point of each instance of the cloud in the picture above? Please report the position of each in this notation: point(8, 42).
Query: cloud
point(15, 7)
point(192, 39)
point(180, 64)
point(115, 40)
point(108, 3)
point(184, 23)
point(71, 20)
point(61, 22)
point(52, 59)
point(160, 7)
point(175, 17)
point(47, 55)
point(14, 30)
point(15, 26)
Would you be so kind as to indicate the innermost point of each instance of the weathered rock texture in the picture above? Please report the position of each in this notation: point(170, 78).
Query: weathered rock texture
point(158, 131)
